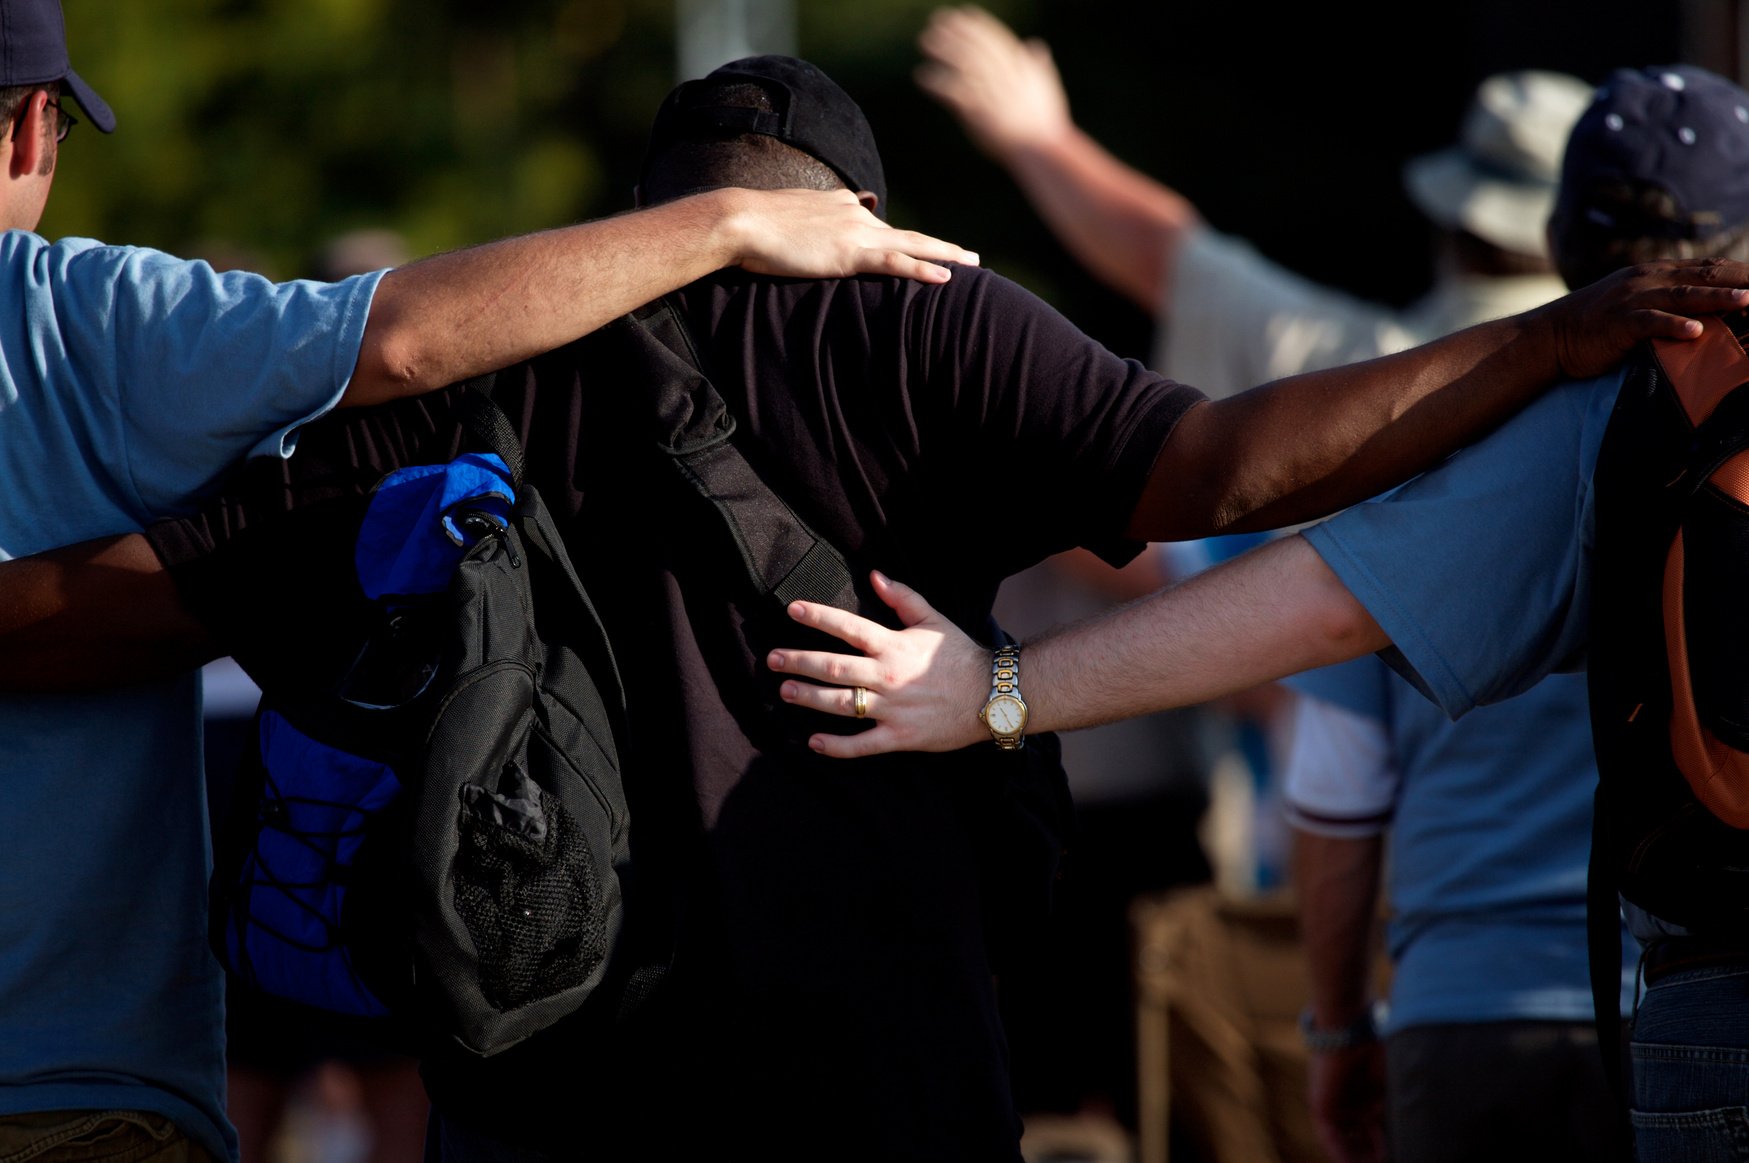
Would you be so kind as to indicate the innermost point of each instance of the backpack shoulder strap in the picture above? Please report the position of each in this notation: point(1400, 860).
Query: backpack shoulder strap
point(781, 555)
point(1704, 375)
point(487, 423)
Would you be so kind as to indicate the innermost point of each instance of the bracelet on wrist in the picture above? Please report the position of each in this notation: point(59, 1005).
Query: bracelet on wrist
point(1321, 1041)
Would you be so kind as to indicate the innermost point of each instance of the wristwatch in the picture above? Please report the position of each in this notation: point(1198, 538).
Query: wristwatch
point(1321, 1041)
point(1004, 711)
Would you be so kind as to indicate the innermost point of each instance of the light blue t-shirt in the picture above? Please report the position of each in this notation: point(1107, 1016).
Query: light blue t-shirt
point(1479, 571)
point(129, 380)
point(1489, 842)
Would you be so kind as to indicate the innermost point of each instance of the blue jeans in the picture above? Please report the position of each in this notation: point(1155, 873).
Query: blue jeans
point(1690, 1049)
point(109, 1136)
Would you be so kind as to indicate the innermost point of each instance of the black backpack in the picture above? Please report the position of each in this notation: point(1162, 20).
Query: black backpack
point(440, 833)
point(1669, 689)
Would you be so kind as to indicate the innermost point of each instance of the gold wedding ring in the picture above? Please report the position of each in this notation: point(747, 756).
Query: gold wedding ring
point(860, 701)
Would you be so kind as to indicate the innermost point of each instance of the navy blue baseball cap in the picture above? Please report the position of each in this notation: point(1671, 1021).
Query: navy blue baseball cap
point(809, 111)
point(1681, 129)
point(33, 51)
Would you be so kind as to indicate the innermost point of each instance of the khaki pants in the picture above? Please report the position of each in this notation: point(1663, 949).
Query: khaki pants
point(114, 1136)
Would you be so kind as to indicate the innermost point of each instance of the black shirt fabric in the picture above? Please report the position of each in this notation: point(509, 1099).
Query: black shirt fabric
point(830, 992)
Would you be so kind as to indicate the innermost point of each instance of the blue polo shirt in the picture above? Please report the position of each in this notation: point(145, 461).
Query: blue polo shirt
point(129, 380)
point(1479, 572)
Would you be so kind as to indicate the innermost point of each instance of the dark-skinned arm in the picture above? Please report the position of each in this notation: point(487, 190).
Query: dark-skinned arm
point(1274, 611)
point(97, 614)
point(1305, 447)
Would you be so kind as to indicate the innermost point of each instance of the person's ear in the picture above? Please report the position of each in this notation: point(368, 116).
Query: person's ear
point(30, 140)
point(869, 200)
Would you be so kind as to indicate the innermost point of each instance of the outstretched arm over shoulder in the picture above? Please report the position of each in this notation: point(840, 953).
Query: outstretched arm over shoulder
point(97, 614)
point(1271, 612)
point(456, 315)
point(106, 612)
point(1304, 447)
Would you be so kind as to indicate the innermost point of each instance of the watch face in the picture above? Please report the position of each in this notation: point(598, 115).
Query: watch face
point(1006, 715)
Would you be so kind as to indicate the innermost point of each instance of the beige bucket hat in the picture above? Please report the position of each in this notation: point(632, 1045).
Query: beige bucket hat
point(1498, 182)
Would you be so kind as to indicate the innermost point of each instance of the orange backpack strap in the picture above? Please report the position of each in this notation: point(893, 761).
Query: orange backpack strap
point(1705, 593)
point(1669, 568)
point(1703, 371)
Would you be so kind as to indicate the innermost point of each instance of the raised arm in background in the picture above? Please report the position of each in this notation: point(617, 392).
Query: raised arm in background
point(1121, 224)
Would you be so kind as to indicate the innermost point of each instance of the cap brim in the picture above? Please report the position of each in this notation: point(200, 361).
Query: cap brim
point(95, 107)
point(1451, 191)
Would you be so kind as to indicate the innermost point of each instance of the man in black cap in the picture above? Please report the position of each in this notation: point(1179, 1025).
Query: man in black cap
point(830, 987)
point(129, 380)
point(1476, 581)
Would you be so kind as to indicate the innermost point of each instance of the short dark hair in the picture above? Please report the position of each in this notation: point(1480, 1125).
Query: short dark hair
point(1626, 222)
point(12, 98)
point(751, 160)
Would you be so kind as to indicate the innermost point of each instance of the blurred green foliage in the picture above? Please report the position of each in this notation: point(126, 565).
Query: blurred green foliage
point(271, 124)
point(264, 127)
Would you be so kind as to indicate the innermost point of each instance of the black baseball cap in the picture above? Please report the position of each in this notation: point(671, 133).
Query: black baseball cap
point(809, 111)
point(33, 51)
point(1679, 128)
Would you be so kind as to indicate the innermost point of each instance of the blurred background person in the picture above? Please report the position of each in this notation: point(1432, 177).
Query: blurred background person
point(1489, 1049)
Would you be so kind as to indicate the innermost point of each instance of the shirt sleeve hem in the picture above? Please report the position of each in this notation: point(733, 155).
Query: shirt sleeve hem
point(1415, 656)
point(283, 442)
point(1155, 429)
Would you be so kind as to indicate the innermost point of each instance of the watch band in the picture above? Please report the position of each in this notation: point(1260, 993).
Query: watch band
point(1005, 690)
point(1005, 671)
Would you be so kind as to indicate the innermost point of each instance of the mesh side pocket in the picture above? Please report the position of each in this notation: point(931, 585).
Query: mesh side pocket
point(528, 892)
